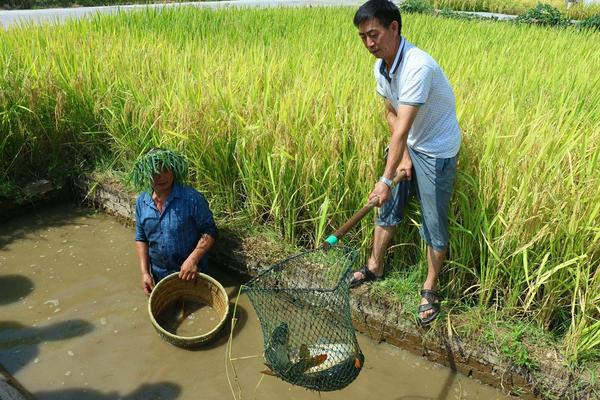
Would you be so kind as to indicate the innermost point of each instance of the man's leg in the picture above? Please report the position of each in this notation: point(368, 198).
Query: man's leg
point(389, 216)
point(381, 241)
point(383, 236)
point(435, 259)
point(435, 180)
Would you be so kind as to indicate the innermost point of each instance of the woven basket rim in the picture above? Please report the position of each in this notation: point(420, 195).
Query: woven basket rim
point(188, 340)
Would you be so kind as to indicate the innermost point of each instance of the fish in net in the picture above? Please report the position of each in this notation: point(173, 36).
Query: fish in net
point(303, 307)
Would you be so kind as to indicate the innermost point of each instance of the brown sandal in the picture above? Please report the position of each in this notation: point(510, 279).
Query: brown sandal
point(368, 276)
point(433, 303)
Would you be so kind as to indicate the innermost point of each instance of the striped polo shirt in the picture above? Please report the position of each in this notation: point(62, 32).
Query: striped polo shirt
point(416, 79)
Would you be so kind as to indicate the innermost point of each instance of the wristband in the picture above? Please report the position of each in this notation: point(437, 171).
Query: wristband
point(388, 182)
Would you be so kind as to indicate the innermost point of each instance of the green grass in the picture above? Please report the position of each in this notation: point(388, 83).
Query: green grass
point(277, 113)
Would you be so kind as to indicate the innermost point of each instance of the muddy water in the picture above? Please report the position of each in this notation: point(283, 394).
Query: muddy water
point(188, 318)
point(74, 325)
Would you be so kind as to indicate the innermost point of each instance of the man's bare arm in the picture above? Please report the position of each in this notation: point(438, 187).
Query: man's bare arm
point(141, 248)
point(400, 122)
point(189, 268)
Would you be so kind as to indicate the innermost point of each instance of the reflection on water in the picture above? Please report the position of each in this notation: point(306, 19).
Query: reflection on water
point(75, 325)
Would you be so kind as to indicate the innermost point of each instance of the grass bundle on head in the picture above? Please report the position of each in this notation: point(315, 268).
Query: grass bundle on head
point(155, 161)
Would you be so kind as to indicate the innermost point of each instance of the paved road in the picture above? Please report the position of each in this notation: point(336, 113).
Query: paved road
point(13, 18)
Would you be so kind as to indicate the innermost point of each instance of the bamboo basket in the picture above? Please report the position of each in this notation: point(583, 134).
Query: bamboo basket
point(204, 289)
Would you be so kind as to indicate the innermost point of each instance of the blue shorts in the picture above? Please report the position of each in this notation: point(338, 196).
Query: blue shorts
point(432, 182)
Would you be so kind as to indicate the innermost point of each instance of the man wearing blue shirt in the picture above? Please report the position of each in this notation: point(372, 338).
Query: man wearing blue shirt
point(423, 144)
point(174, 229)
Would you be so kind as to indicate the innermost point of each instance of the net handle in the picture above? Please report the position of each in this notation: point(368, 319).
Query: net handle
point(337, 235)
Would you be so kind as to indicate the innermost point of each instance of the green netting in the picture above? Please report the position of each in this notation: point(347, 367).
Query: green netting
point(303, 307)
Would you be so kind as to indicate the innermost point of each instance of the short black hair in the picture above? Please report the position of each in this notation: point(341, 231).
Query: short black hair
point(384, 11)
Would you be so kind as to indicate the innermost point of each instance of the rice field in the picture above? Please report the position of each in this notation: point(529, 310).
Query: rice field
point(277, 113)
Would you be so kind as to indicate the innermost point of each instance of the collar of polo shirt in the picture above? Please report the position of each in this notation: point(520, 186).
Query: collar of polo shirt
point(397, 60)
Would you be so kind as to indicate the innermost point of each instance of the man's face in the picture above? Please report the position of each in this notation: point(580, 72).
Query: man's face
point(380, 41)
point(163, 180)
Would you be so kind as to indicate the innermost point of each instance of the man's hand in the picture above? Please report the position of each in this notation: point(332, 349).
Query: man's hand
point(189, 269)
point(382, 192)
point(147, 283)
point(406, 166)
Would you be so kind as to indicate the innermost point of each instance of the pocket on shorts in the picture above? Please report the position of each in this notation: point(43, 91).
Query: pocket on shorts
point(445, 165)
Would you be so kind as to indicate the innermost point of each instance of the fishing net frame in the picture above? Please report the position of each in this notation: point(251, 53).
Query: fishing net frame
point(303, 307)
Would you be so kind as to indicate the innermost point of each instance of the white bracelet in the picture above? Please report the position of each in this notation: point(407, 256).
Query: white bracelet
point(387, 181)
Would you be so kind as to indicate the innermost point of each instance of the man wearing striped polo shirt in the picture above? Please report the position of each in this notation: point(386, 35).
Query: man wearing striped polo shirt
point(424, 142)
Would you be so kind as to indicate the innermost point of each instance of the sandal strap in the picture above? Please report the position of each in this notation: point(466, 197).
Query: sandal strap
point(431, 296)
point(429, 306)
point(367, 273)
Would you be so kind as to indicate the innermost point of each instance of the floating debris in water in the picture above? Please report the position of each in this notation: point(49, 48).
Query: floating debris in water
point(53, 302)
point(57, 310)
point(37, 360)
point(67, 373)
point(70, 353)
point(103, 321)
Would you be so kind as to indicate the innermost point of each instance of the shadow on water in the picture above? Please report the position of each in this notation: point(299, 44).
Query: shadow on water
point(24, 340)
point(53, 216)
point(147, 391)
point(14, 287)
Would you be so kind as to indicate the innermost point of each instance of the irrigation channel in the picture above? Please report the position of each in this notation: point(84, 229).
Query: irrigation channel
point(75, 326)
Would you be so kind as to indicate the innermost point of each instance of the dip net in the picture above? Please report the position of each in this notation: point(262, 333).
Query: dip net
point(303, 307)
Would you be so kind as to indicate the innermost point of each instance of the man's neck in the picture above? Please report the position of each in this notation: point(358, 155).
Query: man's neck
point(389, 61)
point(160, 196)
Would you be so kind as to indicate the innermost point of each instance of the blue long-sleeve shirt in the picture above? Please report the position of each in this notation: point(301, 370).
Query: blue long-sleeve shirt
point(173, 235)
